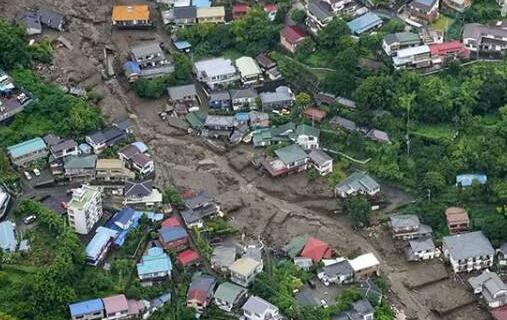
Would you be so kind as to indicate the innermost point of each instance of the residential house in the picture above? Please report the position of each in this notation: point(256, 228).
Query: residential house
point(290, 159)
point(307, 298)
point(200, 291)
point(100, 140)
point(364, 23)
point(339, 272)
point(357, 183)
point(361, 310)
point(422, 249)
point(307, 137)
point(141, 193)
point(151, 60)
point(467, 180)
point(23, 153)
point(216, 72)
point(51, 19)
point(365, 266)
point(413, 57)
point(116, 307)
point(112, 170)
point(85, 208)
point(316, 250)
point(142, 163)
point(244, 98)
point(223, 257)
point(314, 114)
point(188, 258)
point(126, 153)
point(321, 161)
point(5, 199)
point(186, 93)
point(303, 263)
point(219, 123)
point(484, 39)
point(96, 250)
point(244, 270)
point(220, 100)
point(458, 5)
point(502, 255)
point(319, 14)
point(125, 125)
point(155, 265)
point(198, 207)
point(249, 70)
point(30, 19)
point(265, 62)
point(8, 242)
point(291, 37)
point(489, 285)
point(370, 290)
point(64, 148)
point(282, 97)
point(87, 310)
point(12, 99)
point(457, 220)
point(443, 53)
point(173, 238)
point(271, 9)
point(468, 251)
point(408, 226)
point(378, 136)
point(257, 308)
point(211, 15)
point(393, 42)
point(184, 16)
point(196, 119)
point(131, 16)
point(258, 119)
point(345, 124)
point(239, 10)
point(80, 167)
point(294, 247)
point(229, 295)
point(424, 10)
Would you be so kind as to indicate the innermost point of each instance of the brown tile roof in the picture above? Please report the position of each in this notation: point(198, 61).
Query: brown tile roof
point(293, 34)
point(132, 12)
point(456, 214)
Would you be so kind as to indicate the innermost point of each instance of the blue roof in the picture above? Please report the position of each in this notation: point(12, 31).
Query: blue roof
point(123, 218)
point(131, 67)
point(466, 180)
point(99, 241)
point(141, 146)
point(85, 148)
point(427, 3)
point(158, 301)
point(201, 3)
point(86, 307)
point(153, 216)
point(7, 237)
point(155, 261)
point(182, 45)
point(242, 116)
point(26, 147)
point(364, 23)
point(173, 233)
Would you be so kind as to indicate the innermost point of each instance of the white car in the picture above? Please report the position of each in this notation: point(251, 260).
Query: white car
point(30, 219)
point(323, 303)
point(27, 175)
point(36, 172)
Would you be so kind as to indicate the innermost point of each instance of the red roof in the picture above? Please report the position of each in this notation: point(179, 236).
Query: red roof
point(315, 114)
point(188, 193)
point(197, 294)
point(187, 257)
point(240, 8)
point(316, 250)
point(171, 222)
point(270, 7)
point(499, 313)
point(439, 48)
point(293, 34)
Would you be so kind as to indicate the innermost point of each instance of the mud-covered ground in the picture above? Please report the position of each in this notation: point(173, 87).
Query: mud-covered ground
point(276, 210)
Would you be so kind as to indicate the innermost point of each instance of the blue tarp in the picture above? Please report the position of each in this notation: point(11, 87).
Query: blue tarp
point(131, 67)
point(466, 180)
point(86, 307)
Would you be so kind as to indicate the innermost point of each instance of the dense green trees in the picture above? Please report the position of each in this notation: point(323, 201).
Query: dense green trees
point(358, 209)
point(13, 49)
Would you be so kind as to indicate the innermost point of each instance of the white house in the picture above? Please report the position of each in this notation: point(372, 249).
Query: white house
point(216, 72)
point(491, 287)
point(321, 161)
point(85, 208)
point(307, 137)
point(468, 251)
point(259, 309)
point(422, 249)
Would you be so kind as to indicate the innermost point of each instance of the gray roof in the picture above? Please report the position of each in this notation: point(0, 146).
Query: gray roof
point(257, 305)
point(51, 18)
point(185, 12)
point(402, 38)
point(362, 307)
point(344, 123)
point(303, 262)
point(179, 92)
point(307, 298)
point(488, 281)
point(223, 256)
point(223, 121)
point(423, 4)
point(468, 245)
point(63, 145)
point(200, 199)
point(320, 9)
point(280, 94)
point(138, 189)
point(319, 157)
point(87, 162)
point(145, 49)
point(358, 181)
point(229, 292)
point(338, 268)
point(503, 248)
point(215, 67)
point(123, 124)
point(219, 95)
point(404, 221)
point(291, 153)
point(30, 19)
point(51, 139)
point(476, 30)
point(378, 135)
point(253, 252)
point(243, 93)
point(422, 244)
point(203, 282)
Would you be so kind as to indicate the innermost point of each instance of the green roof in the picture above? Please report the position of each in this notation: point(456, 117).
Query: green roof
point(229, 292)
point(88, 194)
point(295, 245)
point(26, 147)
point(304, 129)
point(196, 119)
point(261, 135)
point(275, 131)
point(291, 154)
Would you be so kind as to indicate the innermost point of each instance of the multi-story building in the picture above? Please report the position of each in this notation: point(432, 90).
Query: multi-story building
point(400, 40)
point(249, 70)
point(216, 72)
point(85, 208)
point(211, 15)
point(443, 53)
point(291, 37)
point(408, 226)
point(12, 99)
point(150, 59)
point(414, 57)
point(468, 251)
point(458, 5)
point(424, 10)
point(257, 308)
point(25, 152)
point(108, 170)
point(457, 220)
point(484, 39)
point(319, 14)
point(290, 159)
point(131, 16)
point(244, 270)
point(491, 287)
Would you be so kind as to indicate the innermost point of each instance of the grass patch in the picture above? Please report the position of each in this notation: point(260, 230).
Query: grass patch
point(437, 133)
point(232, 54)
point(443, 23)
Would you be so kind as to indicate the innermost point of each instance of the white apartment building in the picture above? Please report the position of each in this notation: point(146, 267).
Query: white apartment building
point(85, 208)
point(468, 251)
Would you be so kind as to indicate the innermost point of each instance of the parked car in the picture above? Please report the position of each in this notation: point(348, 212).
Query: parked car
point(27, 175)
point(36, 172)
point(30, 219)
point(312, 284)
point(323, 303)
